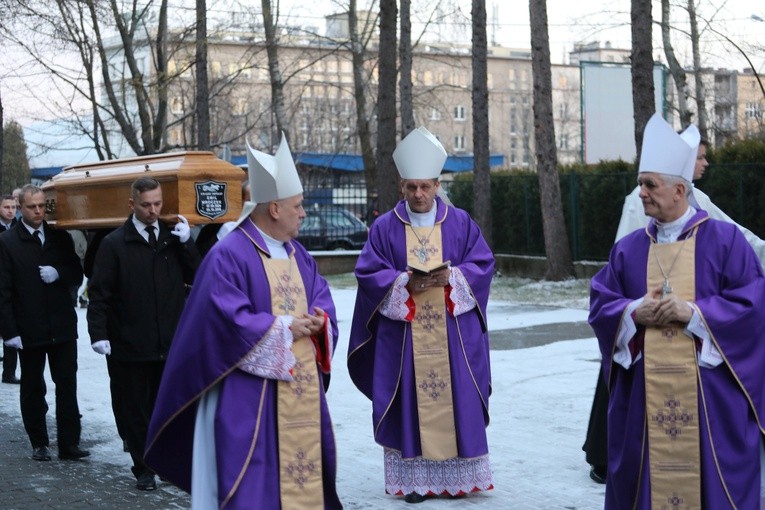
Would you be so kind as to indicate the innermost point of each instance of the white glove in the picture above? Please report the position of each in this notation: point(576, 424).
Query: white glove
point(14, 342)
point(102, 347)
point(48, 274)
point(182, 229)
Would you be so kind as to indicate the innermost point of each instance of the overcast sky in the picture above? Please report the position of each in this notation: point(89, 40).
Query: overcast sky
point(570, 22)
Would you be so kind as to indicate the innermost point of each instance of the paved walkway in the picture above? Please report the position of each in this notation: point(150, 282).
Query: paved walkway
point(543, 384)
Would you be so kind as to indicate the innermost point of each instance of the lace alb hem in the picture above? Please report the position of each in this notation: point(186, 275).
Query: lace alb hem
point(453, 476)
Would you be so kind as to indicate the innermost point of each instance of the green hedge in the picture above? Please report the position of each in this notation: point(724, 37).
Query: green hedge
point(593, 197)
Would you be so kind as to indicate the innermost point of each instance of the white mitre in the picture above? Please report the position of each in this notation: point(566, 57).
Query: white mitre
point(272, 177)
point(419, 155)
point(666, 152)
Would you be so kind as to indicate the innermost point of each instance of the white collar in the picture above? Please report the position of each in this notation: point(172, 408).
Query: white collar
point(670, 231)
point(426, 219)
point(32, 230)
point(276, 248)
point(141, 226)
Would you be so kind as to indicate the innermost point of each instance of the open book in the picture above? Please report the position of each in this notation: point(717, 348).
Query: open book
point(422, 270)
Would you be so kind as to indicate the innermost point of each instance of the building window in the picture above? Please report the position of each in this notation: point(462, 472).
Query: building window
point(435, 114)
point(240, 106)
point(563, 143)
point(459, 143)
point(177, 105)
point(753, 111)
point(174, 137)
point(459, 113)
point(563, 111)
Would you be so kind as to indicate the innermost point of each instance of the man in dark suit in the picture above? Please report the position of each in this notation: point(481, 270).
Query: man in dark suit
point(38, 265)
point(137, 294)
point(10, 355)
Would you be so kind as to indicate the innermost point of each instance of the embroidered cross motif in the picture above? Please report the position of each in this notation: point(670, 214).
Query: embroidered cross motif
point(301, 469)
point(672, 418)
point(675, 501)
point(288, 290)
point(669, 333)
point(301, 378)
point(433, 385)
point(429, 317)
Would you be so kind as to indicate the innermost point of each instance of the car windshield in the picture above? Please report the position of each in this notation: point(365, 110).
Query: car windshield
point(338, 219)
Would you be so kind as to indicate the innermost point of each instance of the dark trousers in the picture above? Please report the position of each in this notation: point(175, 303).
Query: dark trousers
point(596, 442)
point(134, 387)
point(9, 362)
point(63, 370)
point(117, 410)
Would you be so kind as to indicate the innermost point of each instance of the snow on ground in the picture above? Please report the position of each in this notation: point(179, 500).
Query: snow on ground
point(539, 410)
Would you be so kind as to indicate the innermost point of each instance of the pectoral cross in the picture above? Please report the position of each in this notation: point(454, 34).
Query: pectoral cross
point(422, 254)
point(666, 288)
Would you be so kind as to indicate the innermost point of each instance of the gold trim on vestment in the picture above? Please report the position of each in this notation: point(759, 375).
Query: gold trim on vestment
point(298, 401)
point(430, 351)
point(671, 386)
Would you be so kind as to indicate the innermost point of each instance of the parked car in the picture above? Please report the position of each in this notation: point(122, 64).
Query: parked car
point(332, 228)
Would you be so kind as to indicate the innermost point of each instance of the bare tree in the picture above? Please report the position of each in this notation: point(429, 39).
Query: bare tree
point(559, 262)
point(360, 83)
point(643, 100)
point(701, 106)
point(405, 59)
point(677, 71)
point(481, 169)
point(202, 94)
point(129, 71)
point(277, 84)
point(387, 176)
point(2, 146)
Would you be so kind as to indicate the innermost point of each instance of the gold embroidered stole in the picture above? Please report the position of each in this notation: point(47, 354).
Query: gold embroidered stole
point(431, 351)
point(671, 389)
point(299, 401)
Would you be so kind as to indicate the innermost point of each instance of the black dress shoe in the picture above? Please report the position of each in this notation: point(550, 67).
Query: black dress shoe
point(413, 497)
point(598, 474)
point(12, 380)
point(146, 482)
point(41, 453)
point(72, 453)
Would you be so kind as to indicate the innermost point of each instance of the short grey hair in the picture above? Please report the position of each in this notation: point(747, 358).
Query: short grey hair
point(671, 180)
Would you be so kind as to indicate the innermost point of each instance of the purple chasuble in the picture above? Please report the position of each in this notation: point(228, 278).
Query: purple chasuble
point(730, 296)
point(380, 359)
point(226, 315)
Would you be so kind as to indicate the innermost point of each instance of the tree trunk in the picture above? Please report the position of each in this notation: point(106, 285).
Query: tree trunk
point(277, 85)
point(387, 175)
point(405, 80)
point(202, 97)
point(701, 106)
point(159, 128)
point(677, 71)
point(482, 169)
point(3, 191)
point(360, 83)
point(559, 262)
point(643, 100)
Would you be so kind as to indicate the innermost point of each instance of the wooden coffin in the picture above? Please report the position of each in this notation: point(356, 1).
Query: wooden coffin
point(198, 185)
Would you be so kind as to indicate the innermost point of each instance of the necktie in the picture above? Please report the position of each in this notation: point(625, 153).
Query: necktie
point(37, 237)
point(152, 237)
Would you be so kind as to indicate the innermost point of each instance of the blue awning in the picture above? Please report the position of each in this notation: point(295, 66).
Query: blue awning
point(355, 163)
point(45, 173)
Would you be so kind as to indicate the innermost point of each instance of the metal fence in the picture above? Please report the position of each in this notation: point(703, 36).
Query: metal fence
point(592, 203)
